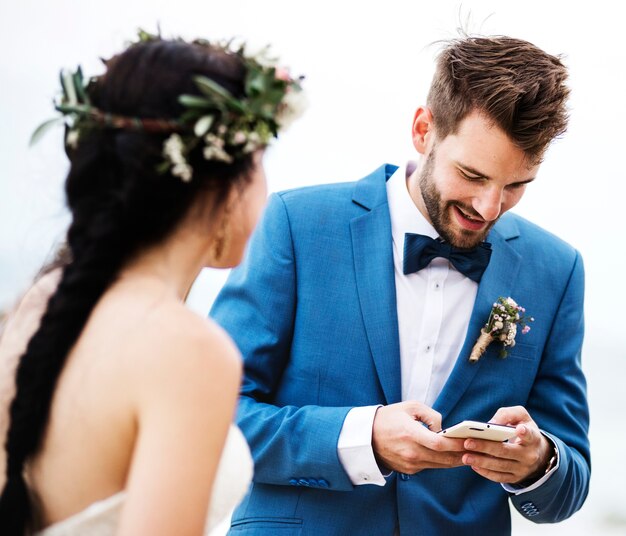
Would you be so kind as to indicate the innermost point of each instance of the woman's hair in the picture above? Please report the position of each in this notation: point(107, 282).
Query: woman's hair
point(120, 204)
point(517, 85)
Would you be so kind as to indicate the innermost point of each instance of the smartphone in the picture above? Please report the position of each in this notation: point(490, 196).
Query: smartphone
point(480, 430)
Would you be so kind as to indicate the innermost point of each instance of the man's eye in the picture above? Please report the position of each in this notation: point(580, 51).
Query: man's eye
point(469, 177)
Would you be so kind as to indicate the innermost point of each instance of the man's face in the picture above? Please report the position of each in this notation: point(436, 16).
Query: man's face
point(469, 179)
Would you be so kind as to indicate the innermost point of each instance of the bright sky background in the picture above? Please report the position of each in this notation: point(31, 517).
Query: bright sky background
point(368, 66)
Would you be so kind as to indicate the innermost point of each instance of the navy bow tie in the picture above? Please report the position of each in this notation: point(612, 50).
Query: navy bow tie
point(419, 250)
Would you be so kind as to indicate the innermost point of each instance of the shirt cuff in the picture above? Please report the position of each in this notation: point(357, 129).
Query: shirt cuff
point(516, 490)
point(354, 447)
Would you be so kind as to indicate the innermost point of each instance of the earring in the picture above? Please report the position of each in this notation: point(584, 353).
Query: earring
point(222, 236)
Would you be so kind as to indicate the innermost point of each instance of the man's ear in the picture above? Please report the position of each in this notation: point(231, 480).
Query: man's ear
point(423, 131)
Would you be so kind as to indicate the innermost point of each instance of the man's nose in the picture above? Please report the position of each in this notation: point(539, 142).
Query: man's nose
point(488, 203)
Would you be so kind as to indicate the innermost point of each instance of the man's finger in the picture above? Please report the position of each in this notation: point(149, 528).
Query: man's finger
point(427, 415)
point(486, 462)
point(495, 476)
point(510, 416)
point(438, 442)
point(495, 449)
point(525, 434)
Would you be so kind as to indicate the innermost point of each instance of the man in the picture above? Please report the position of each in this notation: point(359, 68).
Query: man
point(356, 347)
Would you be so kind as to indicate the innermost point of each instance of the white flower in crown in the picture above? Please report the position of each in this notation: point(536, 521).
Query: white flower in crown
point(239, 138)
point(214, 141)
point(214, 149)
point(212, 152)
point(293, 106)
point(173, 150)
point(501, 326)
point(183, 171)
point(253, 142)
point(260, 54)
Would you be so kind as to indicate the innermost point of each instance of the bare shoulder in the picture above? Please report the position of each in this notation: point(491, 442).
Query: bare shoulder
point(179, 345)
point(25, 319)
point(186, 398)
point(196, 334)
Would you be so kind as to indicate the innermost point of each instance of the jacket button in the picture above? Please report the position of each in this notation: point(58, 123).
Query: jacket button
point(323, 483)
point(293, 482)
point(303, 482)
point(404, 476)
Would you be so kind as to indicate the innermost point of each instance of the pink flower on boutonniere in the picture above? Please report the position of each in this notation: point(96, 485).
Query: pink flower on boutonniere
point(505, 316)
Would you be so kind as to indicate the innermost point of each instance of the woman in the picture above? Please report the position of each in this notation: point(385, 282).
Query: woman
point(123, 397)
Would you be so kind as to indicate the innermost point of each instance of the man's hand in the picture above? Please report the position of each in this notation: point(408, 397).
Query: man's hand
point(404, 439)
point(521, 460)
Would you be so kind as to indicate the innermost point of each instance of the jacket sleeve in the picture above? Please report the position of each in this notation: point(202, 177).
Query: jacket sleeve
point(558, 403)
point(290, 445)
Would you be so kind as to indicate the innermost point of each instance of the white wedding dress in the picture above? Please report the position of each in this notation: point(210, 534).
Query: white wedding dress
point(231, 483)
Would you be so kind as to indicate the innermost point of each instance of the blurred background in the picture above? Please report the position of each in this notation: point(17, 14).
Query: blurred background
point(368, 66)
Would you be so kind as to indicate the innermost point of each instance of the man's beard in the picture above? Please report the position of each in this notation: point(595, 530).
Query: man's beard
point(440, 212)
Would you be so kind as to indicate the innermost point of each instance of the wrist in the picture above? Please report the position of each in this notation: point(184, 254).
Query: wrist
point(548, 462)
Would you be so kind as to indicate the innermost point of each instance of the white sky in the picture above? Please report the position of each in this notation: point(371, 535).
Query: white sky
point(368, 66)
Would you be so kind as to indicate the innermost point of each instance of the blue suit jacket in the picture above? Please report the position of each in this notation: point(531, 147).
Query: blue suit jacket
point(313, 311)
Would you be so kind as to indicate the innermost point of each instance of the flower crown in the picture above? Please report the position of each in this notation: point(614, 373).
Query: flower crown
point(228, 127)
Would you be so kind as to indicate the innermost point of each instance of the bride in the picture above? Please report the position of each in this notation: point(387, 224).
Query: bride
point(117, 413)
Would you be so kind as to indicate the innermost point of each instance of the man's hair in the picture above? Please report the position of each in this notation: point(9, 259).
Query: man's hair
point(518, 86)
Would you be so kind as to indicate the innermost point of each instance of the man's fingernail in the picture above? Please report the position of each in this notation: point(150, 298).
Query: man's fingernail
point(470, 444)
point(468, 460)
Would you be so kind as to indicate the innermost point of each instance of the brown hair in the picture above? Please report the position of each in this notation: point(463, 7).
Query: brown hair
point(517, 85)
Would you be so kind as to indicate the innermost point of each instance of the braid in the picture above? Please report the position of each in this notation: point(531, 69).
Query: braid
point(97, 242)
point(37, 375)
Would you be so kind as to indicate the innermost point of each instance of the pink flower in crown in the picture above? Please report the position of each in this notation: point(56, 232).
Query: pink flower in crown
point(282, 74)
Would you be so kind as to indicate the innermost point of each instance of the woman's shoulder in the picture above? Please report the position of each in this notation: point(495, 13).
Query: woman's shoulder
point(183, 328)
point(25, 318)
point(178, 343)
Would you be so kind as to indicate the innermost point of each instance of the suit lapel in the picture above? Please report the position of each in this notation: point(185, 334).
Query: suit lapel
point(375, 280)
point(498, 280)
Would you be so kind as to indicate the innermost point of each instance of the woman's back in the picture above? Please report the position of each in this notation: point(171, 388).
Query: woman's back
point(133, 346)
point(231, 483)
point(94, 413)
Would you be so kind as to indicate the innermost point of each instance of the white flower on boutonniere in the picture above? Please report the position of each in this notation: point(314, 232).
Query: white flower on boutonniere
point(505, 316)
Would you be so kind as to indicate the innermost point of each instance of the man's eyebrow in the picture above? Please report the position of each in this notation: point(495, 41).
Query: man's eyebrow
point(526, 181)
point(472, 171)
point(479, 174)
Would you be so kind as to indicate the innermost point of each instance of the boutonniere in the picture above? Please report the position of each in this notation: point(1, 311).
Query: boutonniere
point(502, 325)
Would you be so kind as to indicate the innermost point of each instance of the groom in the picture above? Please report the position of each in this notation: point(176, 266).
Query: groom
point(358, 305)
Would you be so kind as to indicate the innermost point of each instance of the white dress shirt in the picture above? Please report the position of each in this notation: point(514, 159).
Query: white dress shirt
point(434, 308)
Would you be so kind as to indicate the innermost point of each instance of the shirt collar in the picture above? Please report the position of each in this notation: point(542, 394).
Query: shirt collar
point(405, 216)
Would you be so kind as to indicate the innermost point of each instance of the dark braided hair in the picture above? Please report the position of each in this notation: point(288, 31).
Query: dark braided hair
point(120, 204)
